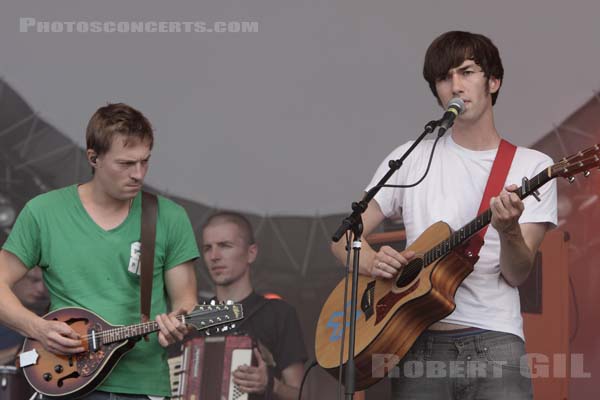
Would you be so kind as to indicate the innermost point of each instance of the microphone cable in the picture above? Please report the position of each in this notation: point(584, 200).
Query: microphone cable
point(421, 179)
point(311, 366)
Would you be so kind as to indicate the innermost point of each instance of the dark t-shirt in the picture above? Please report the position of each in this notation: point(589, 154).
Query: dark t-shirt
point(9, 338)
point(275, 324)
point(10, 342)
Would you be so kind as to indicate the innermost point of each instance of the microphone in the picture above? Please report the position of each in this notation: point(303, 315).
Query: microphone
point(455, 107)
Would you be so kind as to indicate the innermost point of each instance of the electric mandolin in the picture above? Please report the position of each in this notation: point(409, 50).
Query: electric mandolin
point(72, 376)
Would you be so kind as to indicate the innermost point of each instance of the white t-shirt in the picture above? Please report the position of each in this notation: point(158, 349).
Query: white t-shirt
point(452, 192)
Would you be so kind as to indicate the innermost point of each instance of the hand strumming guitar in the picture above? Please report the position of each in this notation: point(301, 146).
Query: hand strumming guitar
point(387, 262)
point(57, 337)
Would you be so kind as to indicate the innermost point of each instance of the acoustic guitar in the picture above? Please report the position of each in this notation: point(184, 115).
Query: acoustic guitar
point(73, 376)
point(392, 313)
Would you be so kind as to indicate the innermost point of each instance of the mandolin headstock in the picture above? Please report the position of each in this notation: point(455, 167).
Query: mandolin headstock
point(205, 316)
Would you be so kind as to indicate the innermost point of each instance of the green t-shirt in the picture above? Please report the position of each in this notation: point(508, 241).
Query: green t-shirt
point(86, 266)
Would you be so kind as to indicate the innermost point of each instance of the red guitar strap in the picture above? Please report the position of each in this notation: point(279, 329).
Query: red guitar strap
point(495, 184)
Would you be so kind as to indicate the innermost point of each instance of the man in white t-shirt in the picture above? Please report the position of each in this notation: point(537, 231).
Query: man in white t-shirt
point(475, 352)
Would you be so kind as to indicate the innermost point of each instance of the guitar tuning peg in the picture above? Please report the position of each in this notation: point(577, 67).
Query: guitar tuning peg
point(229, 302)
point(213, 302)
point(586, 173)
point(571, 179)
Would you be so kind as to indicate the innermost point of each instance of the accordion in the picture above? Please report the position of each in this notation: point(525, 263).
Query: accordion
point(204, 369)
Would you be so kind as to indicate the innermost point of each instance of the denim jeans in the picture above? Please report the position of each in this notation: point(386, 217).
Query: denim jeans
point(483, 366)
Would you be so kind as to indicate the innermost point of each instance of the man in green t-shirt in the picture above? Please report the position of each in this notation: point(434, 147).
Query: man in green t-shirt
point(86, 239)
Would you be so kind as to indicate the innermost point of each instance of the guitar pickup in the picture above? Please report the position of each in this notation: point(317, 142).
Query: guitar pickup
point(94, 341)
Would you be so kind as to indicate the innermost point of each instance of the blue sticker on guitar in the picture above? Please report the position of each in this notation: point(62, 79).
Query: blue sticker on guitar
point(337, 325)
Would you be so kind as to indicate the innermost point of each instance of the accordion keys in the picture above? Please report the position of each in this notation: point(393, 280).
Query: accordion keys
point(204, 369)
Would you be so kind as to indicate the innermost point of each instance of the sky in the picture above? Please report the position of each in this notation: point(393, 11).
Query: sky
point(292, 116)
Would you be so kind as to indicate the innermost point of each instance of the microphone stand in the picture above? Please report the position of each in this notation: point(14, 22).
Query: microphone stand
point(354, 224)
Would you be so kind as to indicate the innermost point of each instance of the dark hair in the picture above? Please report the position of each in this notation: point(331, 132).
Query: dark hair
point(451, 49)
point(224, 217)
point(114, 119)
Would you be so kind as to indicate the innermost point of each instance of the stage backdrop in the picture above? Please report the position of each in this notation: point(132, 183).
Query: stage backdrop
point(294, 258)
point(318, 86)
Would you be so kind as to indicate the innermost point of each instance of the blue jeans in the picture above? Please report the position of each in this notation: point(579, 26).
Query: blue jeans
point(483, 366)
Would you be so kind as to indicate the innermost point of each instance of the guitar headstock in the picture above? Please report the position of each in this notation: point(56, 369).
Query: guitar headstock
point(205, 316)
point(582, 161)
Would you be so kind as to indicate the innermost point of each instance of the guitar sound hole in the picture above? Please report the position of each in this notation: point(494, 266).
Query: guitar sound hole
point(410, 272)
point(72, 321)
point(73, 374)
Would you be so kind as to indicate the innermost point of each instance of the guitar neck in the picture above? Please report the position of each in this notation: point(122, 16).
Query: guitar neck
point(131, 331)
point(201, 317)
point(460, 236)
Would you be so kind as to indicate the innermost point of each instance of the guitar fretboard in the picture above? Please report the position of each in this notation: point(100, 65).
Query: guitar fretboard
point(129, 332)
point(201, 318)
point(461, 235)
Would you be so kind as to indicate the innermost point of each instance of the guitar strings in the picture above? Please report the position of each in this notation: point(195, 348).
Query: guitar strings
point(151, 324)
point(586, 157)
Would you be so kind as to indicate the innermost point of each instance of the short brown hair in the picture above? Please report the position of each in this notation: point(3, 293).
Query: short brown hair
point(451, 49)
point(231, 217)
point(118, 118)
